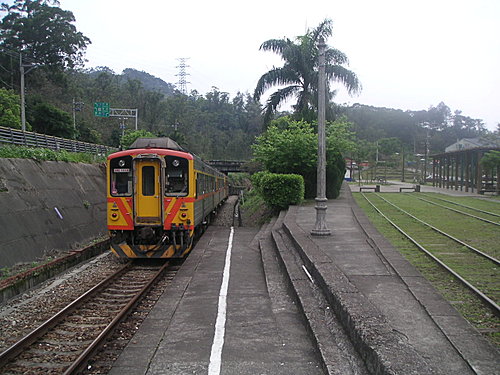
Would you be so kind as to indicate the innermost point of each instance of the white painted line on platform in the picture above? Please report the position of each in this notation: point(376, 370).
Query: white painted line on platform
point(220, 324)
point(307, 273)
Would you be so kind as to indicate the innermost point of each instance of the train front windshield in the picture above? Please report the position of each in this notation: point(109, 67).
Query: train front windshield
point(176, 176)
point(121, 176)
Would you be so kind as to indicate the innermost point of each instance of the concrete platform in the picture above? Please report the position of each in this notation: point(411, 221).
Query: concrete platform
point(177, 336)
point(394, 186)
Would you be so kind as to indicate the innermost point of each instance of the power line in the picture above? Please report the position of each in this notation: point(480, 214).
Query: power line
point(15, 54)
point(182, 84)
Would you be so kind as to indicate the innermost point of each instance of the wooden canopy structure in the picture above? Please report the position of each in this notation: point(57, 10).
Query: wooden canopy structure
point(461, 170)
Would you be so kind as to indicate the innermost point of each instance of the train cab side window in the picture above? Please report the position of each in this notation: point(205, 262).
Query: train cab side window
point(176, 176)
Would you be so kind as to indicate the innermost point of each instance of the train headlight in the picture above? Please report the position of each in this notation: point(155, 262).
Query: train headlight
point(183, 216)
point(121, 163)
point(176, 163)
point(114, 216)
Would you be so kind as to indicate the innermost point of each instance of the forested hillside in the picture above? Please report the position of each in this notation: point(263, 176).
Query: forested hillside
point(212, 125)
point(149, 82)
point(436, 127)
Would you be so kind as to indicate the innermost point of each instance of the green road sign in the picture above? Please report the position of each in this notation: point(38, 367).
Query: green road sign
point(101, 109)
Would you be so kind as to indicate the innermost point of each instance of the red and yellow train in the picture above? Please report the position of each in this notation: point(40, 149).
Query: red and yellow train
point(159, 198)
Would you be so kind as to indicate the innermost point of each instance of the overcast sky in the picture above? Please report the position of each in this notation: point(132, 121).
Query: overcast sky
point(407, 54)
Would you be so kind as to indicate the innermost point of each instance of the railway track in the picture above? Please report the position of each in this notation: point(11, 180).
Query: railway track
point(487, 215)
point(465, 206)
point(64, 343)
point(455, 256)
point(443, 233)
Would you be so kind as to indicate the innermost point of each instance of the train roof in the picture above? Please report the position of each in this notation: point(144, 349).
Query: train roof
point(164, 142)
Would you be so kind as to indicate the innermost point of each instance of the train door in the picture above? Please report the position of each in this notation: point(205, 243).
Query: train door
point(148, 192)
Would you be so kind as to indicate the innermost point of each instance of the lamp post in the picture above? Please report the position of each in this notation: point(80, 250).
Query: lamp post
point(320, 228)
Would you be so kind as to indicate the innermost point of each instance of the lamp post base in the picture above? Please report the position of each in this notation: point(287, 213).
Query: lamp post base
point(320, 228)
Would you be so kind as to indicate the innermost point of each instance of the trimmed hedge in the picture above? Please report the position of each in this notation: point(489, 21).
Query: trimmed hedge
point(280, 190)
point(256, 179)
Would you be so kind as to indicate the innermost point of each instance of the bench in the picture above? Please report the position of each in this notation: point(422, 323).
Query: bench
point(482, 191)
point(415, 188)
point(375, 188)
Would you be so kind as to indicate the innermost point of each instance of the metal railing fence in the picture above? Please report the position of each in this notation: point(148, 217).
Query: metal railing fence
point(31, 139)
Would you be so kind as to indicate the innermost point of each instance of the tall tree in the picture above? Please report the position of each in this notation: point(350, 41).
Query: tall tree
point(299, 74)
point(289, 146)
point(43, 33)
point(47, 119)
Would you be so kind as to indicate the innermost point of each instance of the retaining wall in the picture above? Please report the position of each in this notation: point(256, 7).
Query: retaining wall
point(49, 206)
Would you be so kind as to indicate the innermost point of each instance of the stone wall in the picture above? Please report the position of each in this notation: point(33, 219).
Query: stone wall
point(49, 206)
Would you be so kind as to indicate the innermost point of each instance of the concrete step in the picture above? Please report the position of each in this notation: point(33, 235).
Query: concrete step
point(381, 349)
point(335, 351)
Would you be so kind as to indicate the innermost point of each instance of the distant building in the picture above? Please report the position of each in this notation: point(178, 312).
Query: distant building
point(470, 143)
point(459, 167)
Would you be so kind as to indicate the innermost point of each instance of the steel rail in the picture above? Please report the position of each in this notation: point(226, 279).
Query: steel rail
point(470, 247)
point(460, 212)
point(82, 360)
point(17, 348)
point(86, 352)
point(489, 302)
point(463, 205)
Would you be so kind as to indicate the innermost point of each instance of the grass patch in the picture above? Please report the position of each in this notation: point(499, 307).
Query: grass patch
point(470, 230)
point(6, 272)
point(43, 154)
point(484, 204)
point(255, 212)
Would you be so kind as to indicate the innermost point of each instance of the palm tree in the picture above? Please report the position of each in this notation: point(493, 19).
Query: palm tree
point(299, 74)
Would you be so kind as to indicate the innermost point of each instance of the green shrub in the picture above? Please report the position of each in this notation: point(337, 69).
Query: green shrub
point(281, 190)
point(335, 172)
point(257, 181)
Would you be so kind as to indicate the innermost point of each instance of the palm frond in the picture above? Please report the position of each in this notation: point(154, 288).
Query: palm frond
point(292, 55)
point(305, 100)
point(275, 77)
point(275, 45)
point(348, 78)
point(335, 57)
point(324, 29)
point(277, 98)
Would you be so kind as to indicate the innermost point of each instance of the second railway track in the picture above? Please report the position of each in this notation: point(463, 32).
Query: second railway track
point(470, 268)
point(472, 211)
point(65, 342)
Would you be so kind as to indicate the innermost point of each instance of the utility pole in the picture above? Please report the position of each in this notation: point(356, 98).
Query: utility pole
point(403, 167)
point(23, 101)
point(426, 153)
point(23, 110)
point(320, 228)
point(77, 107)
